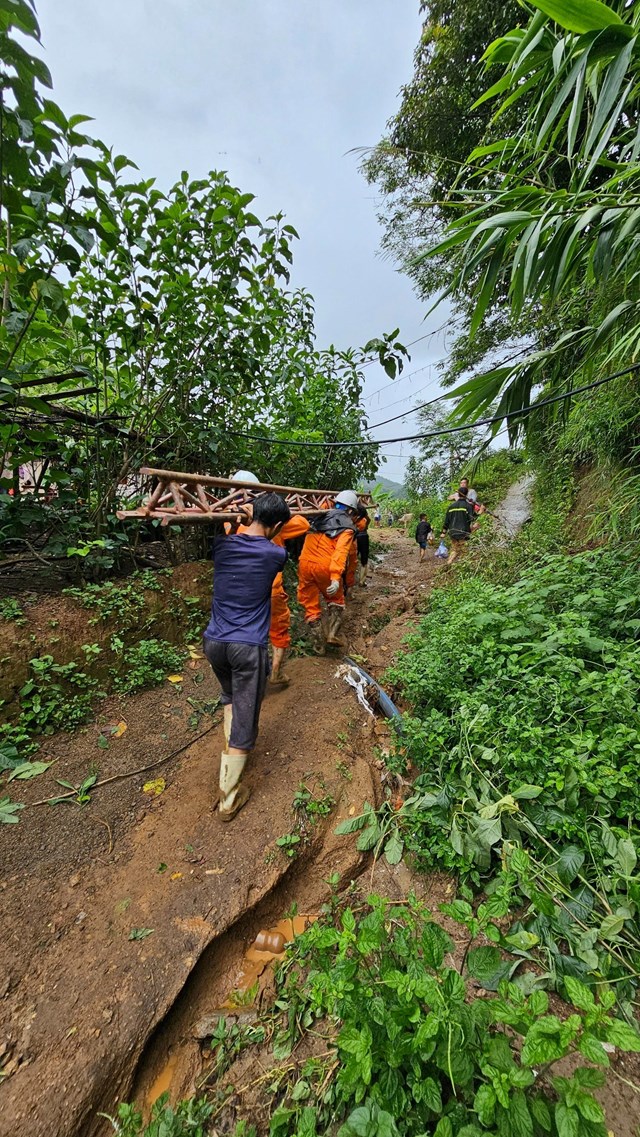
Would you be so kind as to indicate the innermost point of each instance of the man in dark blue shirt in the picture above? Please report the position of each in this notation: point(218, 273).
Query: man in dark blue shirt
point(237, 636)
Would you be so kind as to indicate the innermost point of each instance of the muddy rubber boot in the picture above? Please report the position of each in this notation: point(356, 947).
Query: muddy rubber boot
point(277, 677)
point(362, 575)
point(316, 635)
point(233, 795)
point(227, 720)
point(336, 616)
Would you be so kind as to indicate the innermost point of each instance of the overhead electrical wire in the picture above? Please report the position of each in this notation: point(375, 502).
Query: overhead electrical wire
point(507, 415)
point(406, 414)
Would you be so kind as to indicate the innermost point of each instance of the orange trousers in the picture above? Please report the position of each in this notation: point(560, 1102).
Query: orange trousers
point(279, 632)
point(313, 581)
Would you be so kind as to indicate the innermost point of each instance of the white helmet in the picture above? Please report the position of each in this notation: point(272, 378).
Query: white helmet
point(347, 498)
point(245, 476)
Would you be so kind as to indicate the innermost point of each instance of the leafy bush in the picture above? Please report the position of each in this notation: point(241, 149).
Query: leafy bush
point(187, 1119)
point(404, 1052)
point(146, 664)
point(525, 731)
point(539, 677)
point(126, 601)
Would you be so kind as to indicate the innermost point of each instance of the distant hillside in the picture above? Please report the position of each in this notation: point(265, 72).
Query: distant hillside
point(386, 484)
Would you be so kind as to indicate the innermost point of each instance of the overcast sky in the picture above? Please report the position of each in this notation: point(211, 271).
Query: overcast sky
point(276, 92)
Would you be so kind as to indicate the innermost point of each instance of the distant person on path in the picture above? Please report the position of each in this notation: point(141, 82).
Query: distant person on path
point(245, 566)
point(377, 517)
point(464, 485)
point(362, 521)
point(423, 529)
point(458, 524)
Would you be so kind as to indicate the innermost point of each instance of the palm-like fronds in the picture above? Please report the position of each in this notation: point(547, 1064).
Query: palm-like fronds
point(555, 207)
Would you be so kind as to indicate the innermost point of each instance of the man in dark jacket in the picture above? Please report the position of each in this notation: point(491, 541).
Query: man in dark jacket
point(423, 529)
point(458, 524)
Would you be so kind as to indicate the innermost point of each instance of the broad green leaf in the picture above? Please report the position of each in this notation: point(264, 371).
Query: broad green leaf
point(593, 1050)
point(520, 1120)
point(569, 863)
point(579, 16)
point(579, 994)
point(487, 965)
point(626, 856)
point(28, 770)
point(526, 792)
point(353, 824)
point(611, 927)
point(621, 1035)
point(369, 838)
point(8, 810)
point(590, 1109)
point(484, 1104)
point(567, 1120)
point(394, 848)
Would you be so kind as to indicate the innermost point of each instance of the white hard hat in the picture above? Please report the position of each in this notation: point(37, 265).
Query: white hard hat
point(348, 498)
point(245, 476)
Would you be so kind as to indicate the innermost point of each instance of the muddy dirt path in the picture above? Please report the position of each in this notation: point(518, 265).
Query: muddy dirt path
point(79, 997)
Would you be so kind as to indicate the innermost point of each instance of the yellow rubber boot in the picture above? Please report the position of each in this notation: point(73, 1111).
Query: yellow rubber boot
point(233, 795)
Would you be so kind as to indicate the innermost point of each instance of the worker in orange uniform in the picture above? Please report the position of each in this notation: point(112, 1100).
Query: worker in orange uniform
point(279, 631)
point(329, 552)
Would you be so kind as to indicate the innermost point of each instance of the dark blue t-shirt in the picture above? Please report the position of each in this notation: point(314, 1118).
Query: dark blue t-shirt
point(244, 569)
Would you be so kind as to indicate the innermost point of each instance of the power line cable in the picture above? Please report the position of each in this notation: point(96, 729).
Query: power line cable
point(402, 378)
point(406, 414)
point(507, 415)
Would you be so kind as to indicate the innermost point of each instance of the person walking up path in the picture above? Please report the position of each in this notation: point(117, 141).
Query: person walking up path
point(458, 524)
point(423, 529)
point(245, 566)
point(329, 552)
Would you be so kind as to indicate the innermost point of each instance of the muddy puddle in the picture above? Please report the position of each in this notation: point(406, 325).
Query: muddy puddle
point(177, 1060)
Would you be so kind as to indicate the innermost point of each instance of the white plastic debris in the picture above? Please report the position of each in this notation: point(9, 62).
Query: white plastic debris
point(352, 676)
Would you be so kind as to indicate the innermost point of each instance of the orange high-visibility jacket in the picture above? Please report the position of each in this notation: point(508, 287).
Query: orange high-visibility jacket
point(329, 553)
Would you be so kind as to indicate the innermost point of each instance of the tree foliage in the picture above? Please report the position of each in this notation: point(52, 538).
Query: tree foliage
point(428, 140)
point(145, 326)
point(560, 233)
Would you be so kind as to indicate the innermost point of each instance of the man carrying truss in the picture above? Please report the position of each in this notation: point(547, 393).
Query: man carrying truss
point(236, 639)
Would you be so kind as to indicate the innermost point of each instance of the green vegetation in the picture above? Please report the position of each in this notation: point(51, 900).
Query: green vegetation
point(57, 696)
point(145, 664)
point(161, 316)
point(11, 609)
point(524, 734)
point(392, 1046)
point(123, 601)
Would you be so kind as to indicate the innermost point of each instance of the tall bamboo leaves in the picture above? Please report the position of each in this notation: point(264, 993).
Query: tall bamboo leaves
point(558, 201)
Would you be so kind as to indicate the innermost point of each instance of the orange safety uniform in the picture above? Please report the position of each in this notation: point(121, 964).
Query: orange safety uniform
point(279, 633)
point(323, 560)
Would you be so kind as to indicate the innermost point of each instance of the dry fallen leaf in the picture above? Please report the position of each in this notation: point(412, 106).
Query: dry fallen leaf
point(118, 730)
point(157, 786)
point(175, 678)
point(176, 876)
